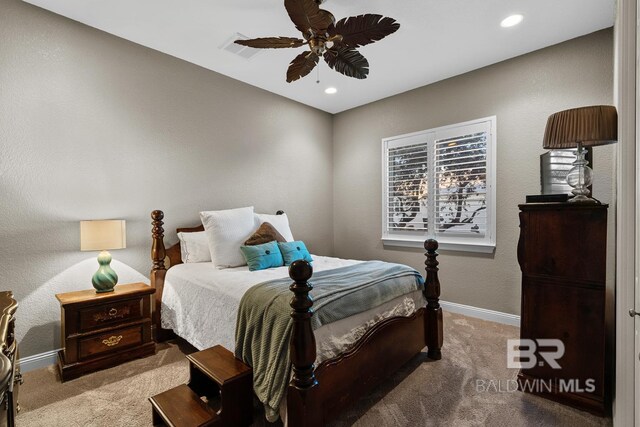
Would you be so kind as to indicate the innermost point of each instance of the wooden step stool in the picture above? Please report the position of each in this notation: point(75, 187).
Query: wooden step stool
point(219, 393)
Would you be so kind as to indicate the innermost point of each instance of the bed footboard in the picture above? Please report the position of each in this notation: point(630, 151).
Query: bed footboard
point(312, 402)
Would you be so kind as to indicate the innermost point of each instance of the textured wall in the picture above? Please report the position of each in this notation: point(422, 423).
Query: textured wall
point(522, 93)
point(92, 126)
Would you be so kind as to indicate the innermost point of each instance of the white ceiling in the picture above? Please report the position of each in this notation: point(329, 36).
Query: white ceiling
point(437, 39)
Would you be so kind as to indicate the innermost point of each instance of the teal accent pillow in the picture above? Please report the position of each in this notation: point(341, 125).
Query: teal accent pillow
point(261, 257)
point(293, 251)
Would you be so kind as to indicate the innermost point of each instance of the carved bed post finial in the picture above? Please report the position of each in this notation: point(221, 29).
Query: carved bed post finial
point(157, 246)
point(158, 270)
point(433, 318)
point(303, 405)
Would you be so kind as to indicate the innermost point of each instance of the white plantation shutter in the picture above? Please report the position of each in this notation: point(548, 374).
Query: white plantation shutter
point(440, 183)
point(461, 181)
point(407, 167)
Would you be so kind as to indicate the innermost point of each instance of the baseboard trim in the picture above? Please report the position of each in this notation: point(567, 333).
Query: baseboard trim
point(42, 360)
point(481, 313)
point(38, 361)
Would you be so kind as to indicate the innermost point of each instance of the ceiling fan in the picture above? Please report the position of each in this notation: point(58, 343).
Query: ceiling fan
point(335, 41)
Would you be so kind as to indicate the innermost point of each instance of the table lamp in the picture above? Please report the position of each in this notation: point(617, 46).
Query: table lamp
point(577, 128)
point(103, 235)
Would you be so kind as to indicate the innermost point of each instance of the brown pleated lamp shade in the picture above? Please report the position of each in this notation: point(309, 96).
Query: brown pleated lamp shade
point(596, 125)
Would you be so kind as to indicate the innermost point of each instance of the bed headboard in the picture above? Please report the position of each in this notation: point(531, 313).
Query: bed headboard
point(173, 254)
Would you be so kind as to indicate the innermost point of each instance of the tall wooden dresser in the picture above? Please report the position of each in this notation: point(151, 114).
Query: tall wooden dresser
point(562, 255)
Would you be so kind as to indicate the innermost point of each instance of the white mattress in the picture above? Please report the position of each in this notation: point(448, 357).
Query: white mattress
point(200, 304)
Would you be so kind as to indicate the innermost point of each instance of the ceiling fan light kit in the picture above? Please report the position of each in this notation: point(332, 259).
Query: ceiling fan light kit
point(335, 41)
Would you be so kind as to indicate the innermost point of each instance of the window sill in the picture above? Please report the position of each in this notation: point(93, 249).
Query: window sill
point(485, 248)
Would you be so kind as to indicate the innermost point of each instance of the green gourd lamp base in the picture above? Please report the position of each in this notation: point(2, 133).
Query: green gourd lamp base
point(105, 279)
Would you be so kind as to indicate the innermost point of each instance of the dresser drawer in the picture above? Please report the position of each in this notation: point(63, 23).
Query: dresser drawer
point(99, 316)
point(109, 341)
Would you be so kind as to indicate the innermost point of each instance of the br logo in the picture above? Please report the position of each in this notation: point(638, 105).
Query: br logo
point(523, 354)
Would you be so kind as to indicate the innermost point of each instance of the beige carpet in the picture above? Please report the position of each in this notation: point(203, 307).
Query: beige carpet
point(424, 393)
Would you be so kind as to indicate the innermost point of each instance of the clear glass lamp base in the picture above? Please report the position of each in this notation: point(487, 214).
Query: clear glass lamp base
point(580, 177)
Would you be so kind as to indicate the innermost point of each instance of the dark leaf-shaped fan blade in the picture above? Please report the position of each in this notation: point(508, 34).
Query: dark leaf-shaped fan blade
point(364, 29)
point(306, 15)
point(302, 65)
point(347, 61)
point(272, 42)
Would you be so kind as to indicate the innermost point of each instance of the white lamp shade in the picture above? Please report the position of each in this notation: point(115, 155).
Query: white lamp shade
point(103, 235)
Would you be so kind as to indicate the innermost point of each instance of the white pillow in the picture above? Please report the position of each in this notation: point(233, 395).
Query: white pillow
point(226, 231)
point(194, 247)
point(280, 222)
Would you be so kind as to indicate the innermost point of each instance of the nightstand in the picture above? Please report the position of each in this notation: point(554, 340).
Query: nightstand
point(101, 330)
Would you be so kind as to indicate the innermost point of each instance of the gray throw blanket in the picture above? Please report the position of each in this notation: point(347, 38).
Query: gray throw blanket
point(264, 324)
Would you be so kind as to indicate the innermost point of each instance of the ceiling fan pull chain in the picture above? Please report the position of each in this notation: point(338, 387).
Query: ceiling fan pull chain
point(318, 75)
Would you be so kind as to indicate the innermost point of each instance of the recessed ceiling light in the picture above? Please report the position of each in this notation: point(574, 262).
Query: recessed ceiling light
point(511, 21)
point(330, 90)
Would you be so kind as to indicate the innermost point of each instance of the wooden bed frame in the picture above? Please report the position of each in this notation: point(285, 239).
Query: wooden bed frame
point(318, 394)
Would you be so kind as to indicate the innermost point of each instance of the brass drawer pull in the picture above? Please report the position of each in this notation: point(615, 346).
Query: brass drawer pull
point(113, 340)
point(113, 313)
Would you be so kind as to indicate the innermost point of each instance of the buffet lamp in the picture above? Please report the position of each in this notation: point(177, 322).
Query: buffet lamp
point(103, 235)
point(579, 128)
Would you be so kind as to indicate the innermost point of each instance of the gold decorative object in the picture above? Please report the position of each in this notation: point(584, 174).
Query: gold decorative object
point(113, 313)
point(113, 340)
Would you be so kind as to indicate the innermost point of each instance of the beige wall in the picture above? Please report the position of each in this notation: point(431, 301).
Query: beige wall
point(92, 126)
point(522, 93)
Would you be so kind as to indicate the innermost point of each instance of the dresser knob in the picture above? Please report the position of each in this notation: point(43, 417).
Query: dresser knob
point(113, 312)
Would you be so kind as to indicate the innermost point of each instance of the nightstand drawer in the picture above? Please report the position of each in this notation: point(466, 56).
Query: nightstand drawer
point(99, 316)
point(110, 341)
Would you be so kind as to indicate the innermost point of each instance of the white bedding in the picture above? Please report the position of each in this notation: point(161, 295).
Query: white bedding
point(200, 304)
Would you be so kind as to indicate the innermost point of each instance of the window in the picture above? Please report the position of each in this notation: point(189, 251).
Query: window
point(440, 183)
